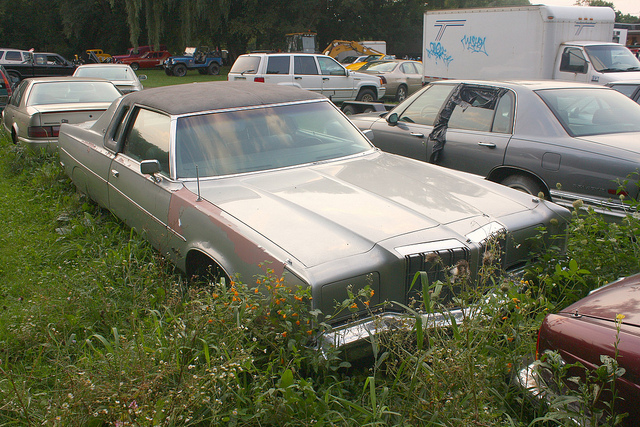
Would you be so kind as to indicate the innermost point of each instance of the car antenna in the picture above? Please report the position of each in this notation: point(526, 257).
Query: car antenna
point(199, 199)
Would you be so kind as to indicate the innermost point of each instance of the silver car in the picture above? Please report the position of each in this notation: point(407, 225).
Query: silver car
point(225, 176)
point(121, 75)
point(568, 141)
point(38, 106)
point(401, 77)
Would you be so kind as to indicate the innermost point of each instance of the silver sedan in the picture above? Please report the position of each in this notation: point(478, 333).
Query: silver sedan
point(401, 77)
point(225, 176)
point(38, 106)
point(121, 75)
point(568, 141)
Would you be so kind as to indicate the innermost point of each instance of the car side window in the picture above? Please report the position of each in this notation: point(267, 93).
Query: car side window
point(477, 108)
point(149, 138)
point(424, 109)
point(503, 120)
point(13, 56)
point(304, 65)
point(330, 67)
point(278, 65)
point(573, 61)
point(18, 94)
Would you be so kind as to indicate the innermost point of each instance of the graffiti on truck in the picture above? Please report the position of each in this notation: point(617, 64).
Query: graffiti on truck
point(475, 44)
point(439, 53)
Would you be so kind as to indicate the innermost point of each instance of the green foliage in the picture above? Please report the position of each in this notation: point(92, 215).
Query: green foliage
point(98, 329)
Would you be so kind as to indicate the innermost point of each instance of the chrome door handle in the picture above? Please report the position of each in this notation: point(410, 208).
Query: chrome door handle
point(487, 144)
point(298, 78)
point(416, 134)
point(115, 173)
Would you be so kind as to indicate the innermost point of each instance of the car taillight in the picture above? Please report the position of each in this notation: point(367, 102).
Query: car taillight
point(7, 85)
point(258, 79)
point(43, 131)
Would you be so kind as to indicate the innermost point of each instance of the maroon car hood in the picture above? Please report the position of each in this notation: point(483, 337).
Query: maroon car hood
point(621, 297)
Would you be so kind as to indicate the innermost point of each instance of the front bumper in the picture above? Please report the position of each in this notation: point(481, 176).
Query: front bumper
point(358, 336)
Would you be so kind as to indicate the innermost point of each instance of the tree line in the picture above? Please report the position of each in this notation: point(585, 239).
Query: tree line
point(70, 27)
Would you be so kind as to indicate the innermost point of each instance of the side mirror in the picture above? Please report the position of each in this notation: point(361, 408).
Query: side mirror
point(369, 134)
point(149, 167)
point(392, 119)
point(142, 77)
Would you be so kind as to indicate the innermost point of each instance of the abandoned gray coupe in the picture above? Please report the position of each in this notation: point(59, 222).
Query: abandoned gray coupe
point(231, 175)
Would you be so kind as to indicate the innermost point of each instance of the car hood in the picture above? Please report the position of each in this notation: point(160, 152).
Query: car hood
point(343, 208)
point(620, 297)
point(627, 141)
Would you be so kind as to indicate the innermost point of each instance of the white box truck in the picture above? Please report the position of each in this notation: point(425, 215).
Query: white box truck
point(527, 42)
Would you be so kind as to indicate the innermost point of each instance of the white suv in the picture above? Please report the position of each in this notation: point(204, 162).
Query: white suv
point(318, 73)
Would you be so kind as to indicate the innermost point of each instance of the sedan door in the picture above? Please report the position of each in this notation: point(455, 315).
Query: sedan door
point(478, 130)
point(407, 136)
point(142, 201)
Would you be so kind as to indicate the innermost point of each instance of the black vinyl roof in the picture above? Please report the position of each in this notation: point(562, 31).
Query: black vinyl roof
point(195, 97)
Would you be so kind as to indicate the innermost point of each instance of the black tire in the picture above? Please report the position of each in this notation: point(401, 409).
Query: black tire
point(401, 93)
point(14, 136)
point(349, 110)
point(135, 66)
point(366, 95)
point(213, 69)
point(168, 71)
point(180, 70)
point(524, 183)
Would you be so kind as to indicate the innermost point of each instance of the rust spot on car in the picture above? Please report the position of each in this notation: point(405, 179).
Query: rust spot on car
point(245, 249)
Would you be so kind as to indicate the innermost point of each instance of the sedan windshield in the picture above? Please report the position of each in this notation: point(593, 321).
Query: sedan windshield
point(71, 92)
point(259, 139)
point(584, 111)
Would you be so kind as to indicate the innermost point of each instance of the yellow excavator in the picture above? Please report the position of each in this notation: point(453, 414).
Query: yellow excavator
point(338, 48)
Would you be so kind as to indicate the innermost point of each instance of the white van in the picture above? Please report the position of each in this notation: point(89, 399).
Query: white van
point(315, 72)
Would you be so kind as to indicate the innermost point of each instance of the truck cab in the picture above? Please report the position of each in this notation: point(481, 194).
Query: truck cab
point(599, 63)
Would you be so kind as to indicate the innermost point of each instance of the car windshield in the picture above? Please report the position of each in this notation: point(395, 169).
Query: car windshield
point(612, 58)
point(383, 67)
point(585, 111)
point(227, 143)
point(72, 92)
point(109, 73)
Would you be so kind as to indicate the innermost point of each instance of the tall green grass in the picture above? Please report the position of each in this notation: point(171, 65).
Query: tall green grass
point(98, 329)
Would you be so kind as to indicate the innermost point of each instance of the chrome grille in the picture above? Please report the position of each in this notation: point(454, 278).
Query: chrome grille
point(435, 264)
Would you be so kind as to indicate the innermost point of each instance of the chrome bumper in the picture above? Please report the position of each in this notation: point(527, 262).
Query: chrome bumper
point(359, 334)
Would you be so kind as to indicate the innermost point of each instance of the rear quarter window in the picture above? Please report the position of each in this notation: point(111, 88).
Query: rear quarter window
point(246, 64)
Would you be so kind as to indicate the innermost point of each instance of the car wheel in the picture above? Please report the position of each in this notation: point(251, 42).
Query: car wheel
point(135, 66)
point(524, 183)
point(401, 93)
point(366, 95)
point(349, 110)
point(168, 71)
point(214, 69)
point(14, 136)
point(180, 70)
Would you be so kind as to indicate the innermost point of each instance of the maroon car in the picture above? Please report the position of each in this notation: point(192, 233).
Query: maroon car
point(148, 60)
point(586, 330)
